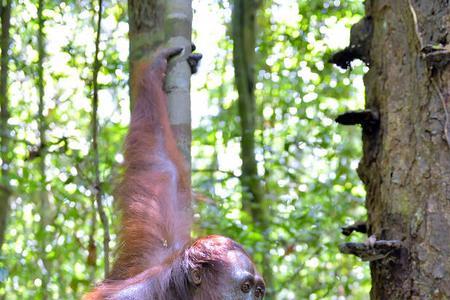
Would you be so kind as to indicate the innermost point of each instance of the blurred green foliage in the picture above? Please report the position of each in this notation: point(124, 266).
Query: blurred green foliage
point(308, 164)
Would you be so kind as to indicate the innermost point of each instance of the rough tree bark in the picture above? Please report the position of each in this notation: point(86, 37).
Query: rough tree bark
point(244, 41)
point(406, 163)
point(154, 23)
point(5, 191)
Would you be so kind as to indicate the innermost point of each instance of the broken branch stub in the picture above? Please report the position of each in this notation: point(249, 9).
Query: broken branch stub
point(367, 252)
point(368, 119)
point(359, 48)
point(436, 56)
point(358, 227)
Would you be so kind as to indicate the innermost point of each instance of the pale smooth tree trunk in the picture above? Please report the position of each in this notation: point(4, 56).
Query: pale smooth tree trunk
point(158, 23)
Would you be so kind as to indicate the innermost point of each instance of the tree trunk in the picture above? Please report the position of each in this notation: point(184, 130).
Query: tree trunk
point(5, 191)
point(44, 205)
point(406, 163)
point(157, 23)
point(244, 41)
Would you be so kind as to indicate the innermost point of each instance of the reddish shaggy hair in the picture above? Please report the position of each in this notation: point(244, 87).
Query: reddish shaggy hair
point(155, 259)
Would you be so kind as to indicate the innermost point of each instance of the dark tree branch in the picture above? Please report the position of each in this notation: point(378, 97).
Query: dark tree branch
point(41, 150)
point(4, 116)
point(97, 190)
point(91, 260)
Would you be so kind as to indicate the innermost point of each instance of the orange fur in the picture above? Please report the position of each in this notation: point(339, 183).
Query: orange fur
point(154, 195)
point(156, 259)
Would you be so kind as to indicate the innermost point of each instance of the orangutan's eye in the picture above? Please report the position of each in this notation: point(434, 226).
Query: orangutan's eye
point(259, 292)
point(245, 287)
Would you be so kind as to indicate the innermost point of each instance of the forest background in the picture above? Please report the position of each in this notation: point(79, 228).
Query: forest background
point(53, 246)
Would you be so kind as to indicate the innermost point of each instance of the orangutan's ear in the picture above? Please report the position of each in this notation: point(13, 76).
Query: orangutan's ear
point(195, 276)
